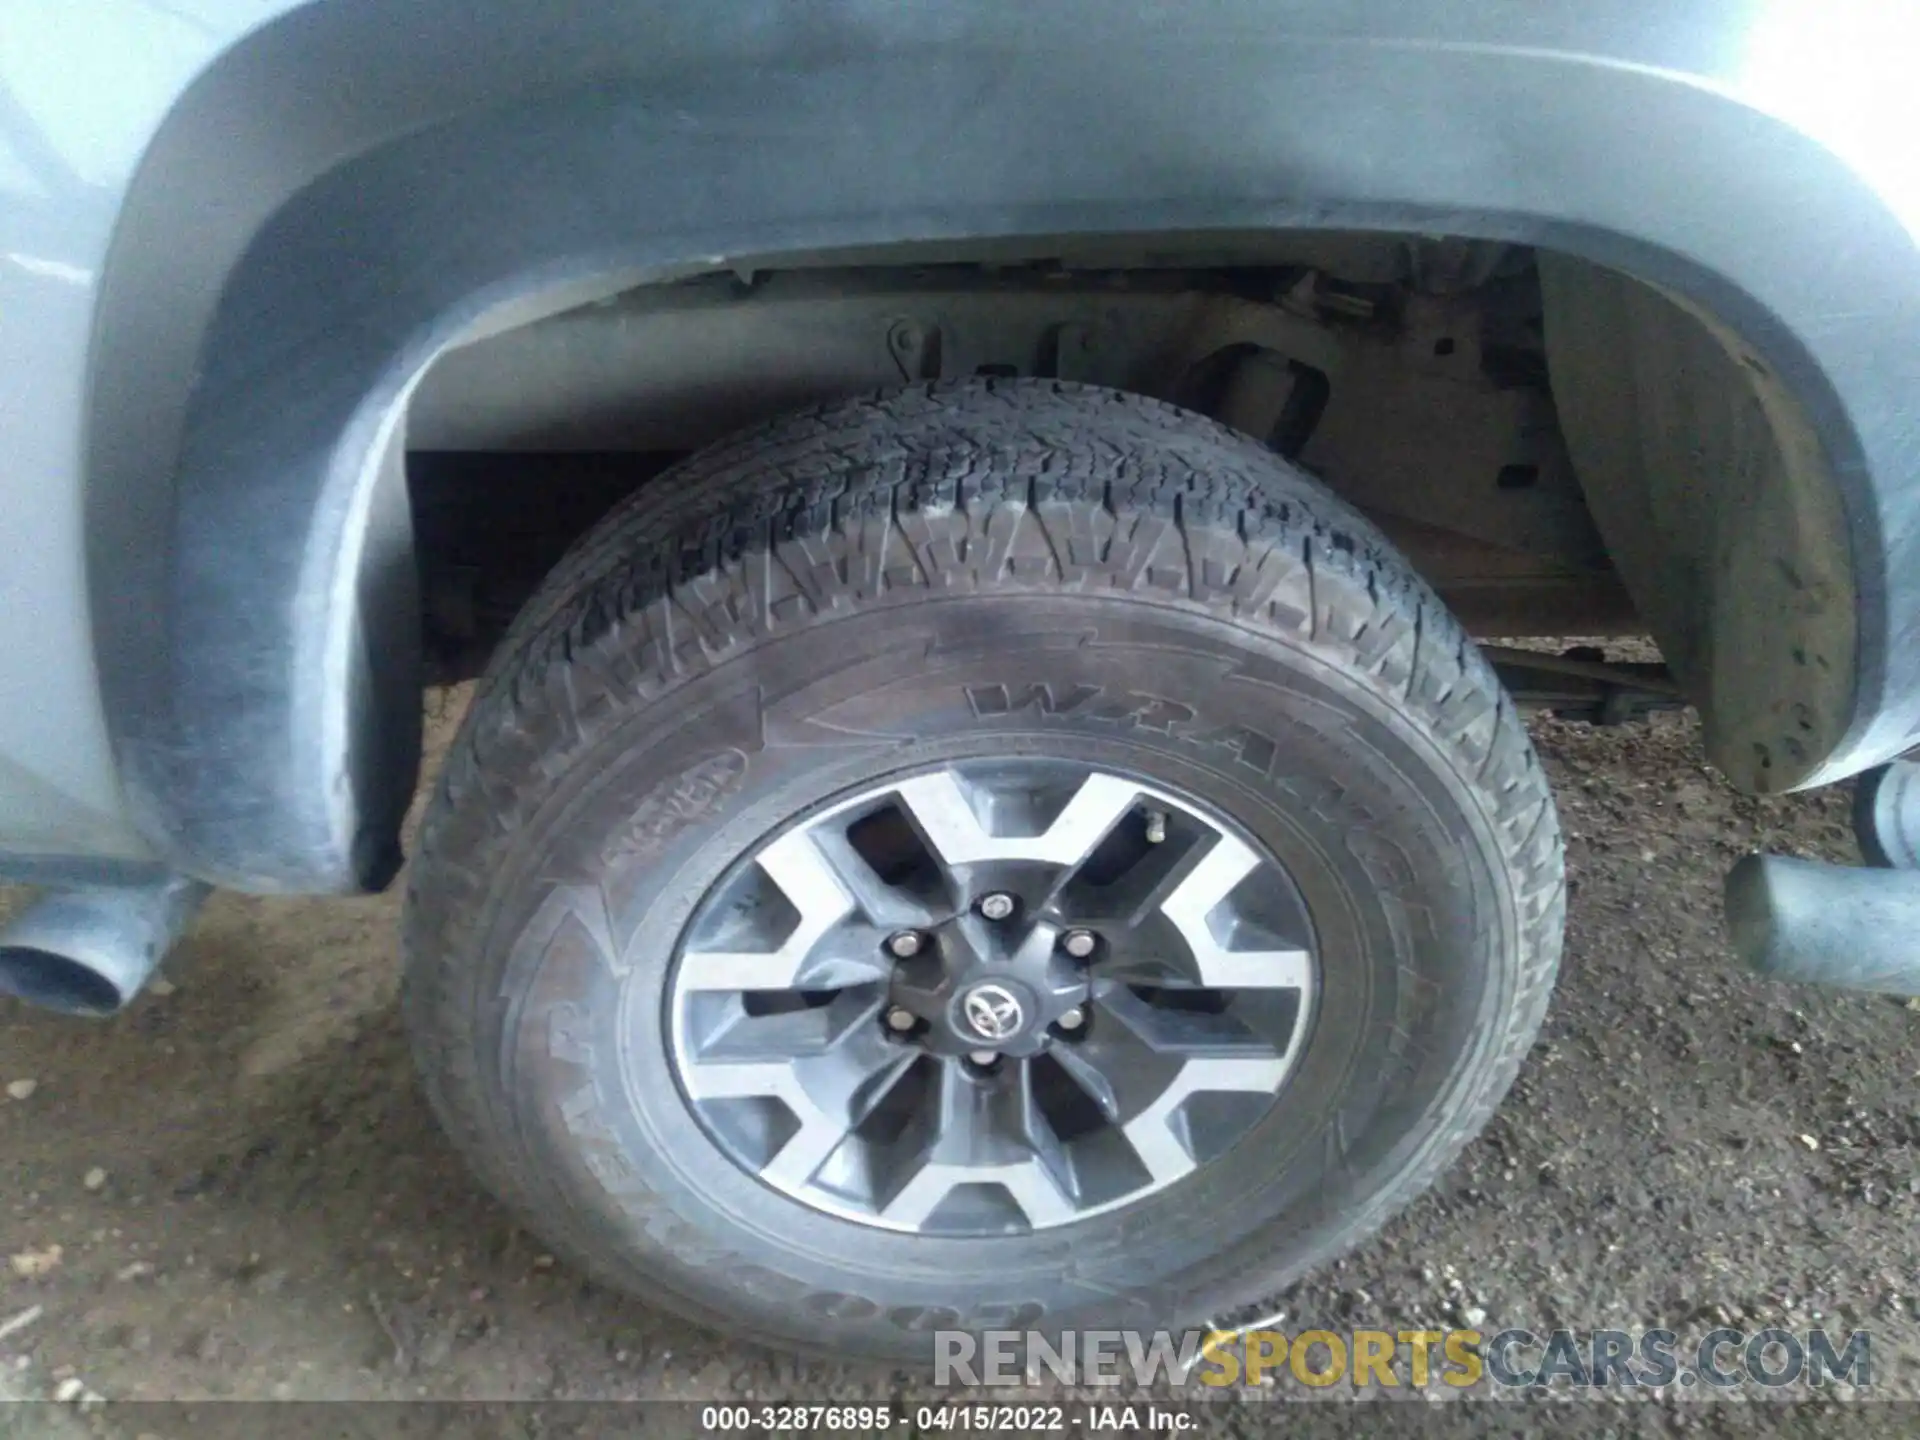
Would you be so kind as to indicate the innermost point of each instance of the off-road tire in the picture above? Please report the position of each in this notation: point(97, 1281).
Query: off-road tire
point(700, 658)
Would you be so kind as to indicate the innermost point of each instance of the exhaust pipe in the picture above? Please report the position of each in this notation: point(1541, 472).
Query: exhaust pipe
point(1826, 924)
point(88, 951)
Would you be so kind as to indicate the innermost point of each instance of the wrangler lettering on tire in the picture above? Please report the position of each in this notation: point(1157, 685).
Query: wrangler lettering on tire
point(1004, 849)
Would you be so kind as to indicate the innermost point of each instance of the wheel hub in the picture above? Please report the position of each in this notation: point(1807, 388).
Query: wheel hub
point(991, 998)
point(978, 983)
point(993, 1012)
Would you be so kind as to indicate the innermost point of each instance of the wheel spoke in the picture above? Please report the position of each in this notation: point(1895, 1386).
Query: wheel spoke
point(981, 1134)
point(1084, 1070)
point(1119, 1071)
point(829, 1088)
point(1185, 1033)
point(793, 863)
point(1039, 1134)
point(1137, 1054)
point(1132, 904)
point(940, 808)
point(744, 1038)
point(1158, 1135)
point(1190, 909)
point(887, 907)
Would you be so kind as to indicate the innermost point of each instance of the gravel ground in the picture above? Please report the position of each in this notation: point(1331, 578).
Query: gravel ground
point(236, 1191)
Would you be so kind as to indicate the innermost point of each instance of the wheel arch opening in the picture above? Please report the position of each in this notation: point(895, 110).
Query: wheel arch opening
point(260, 324)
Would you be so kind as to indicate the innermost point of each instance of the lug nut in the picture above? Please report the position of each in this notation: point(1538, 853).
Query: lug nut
point(997, 906)
point(899, 1020)
point(981, 1058)
point(1073, 1019)
point(1079, 943)
point(905, 945)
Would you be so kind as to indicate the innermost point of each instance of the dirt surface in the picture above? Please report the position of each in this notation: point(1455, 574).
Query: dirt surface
point(235, 1190)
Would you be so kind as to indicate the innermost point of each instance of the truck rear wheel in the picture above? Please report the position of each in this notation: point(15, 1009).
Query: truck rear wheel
point(1003, 855)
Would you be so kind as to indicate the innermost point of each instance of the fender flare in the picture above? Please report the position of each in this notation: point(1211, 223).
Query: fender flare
point(332, 203)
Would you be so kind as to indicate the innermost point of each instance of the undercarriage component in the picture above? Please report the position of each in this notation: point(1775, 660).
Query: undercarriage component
point(1822, 924)
point(1423, 403)
point(1847, 926)
point(1582, 685)
point(1886, 815)
point(88, 951)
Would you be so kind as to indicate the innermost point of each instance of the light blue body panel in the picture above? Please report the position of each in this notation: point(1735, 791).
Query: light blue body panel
point(232, 232)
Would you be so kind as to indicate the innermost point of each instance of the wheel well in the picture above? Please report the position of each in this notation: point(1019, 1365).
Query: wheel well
point(1560, 450)
point(1408, 373)
point(320, 214)
point(1721, 513)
